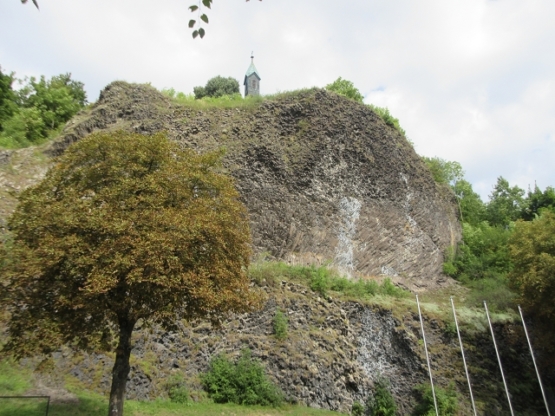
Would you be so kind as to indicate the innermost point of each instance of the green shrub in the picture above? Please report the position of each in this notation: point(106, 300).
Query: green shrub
point(381, 402)
point(386, 116)
point(357, 409)
point(346, 88)
point(320, 280)
point(389, 289)
point(280, 325)
point(484, 253)
point(24, 128)
point(446, 399)
point(243, 382)
point(177, 390)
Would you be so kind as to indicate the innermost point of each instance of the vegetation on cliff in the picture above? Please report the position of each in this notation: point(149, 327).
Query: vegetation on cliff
point(36, 111)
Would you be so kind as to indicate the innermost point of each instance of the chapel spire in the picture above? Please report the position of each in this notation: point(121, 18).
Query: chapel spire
point(252, 79)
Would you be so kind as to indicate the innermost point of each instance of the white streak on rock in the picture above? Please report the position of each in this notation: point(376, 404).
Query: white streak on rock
point(349, 212)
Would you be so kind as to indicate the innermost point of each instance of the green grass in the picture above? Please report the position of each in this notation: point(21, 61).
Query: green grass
point(226, 101)
point(13, 380)
point(91, 404)
point(229, 101)
point(323, 281)
point(23, 407)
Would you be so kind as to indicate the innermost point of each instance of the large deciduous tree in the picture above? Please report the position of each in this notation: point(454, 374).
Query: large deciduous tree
point(506, 203)
point(532, 250)
point(124, 227)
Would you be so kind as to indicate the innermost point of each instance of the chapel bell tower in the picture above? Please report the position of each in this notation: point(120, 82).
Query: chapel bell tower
point(252, 80)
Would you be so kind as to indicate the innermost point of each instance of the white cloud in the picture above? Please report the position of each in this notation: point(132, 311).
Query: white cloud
point(470, 81)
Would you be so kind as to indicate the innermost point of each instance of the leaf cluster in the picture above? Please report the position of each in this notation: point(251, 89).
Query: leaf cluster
point(200, 32)
point(38, 108)
point(243, 382)
point(129, 227)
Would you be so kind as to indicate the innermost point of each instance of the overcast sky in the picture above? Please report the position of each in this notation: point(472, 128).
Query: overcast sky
point(471, 81)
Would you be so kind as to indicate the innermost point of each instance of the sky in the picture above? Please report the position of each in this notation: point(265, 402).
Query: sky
point(470, 81)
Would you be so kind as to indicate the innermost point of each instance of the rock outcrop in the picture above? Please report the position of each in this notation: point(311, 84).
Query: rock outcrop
point(325, 180)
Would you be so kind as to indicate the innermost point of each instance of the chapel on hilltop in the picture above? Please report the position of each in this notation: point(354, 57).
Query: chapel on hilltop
point(252, 80)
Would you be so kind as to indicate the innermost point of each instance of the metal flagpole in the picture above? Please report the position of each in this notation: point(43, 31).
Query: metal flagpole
point(464, 360)
point(499, 359)
point(534, 360)
point(427, 357)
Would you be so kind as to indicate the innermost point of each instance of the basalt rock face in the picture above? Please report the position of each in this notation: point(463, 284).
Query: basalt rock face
point(333, 352)
point(324, 179)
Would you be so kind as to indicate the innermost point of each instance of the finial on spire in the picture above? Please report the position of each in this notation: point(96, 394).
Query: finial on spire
point(252, 56)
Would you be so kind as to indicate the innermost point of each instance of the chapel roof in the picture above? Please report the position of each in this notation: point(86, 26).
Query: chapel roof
point(252, 69)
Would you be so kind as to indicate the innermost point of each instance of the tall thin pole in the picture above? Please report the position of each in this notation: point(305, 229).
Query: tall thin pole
point(499, 360)
point(464, 359)
point(534, 360)
point(427, 356)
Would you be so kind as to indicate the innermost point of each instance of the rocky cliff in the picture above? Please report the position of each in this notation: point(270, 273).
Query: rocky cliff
point(325, 180)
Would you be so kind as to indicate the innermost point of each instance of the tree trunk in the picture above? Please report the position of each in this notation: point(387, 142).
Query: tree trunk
point(121, 367)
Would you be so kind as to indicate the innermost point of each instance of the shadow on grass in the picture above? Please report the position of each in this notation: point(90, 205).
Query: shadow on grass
point(23, 406)
point(87, 406)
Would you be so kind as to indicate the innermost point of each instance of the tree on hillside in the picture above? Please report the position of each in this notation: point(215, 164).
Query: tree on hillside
point(346, 88)
point(470, 204)
point(38, 108)
point(123, 228)
point(532, 250)
point(536, 201)
point(506, 203)
point(7, 97)
point(57, 99)
point(444, 171)
point(217, 87)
